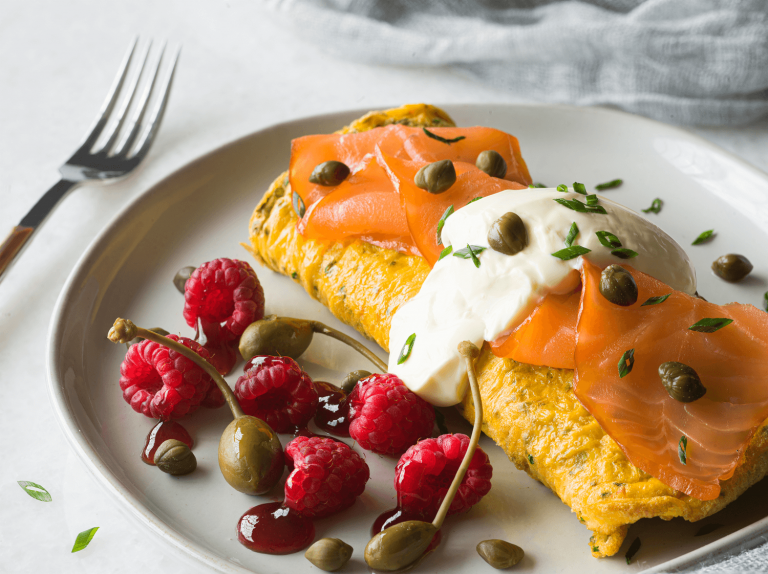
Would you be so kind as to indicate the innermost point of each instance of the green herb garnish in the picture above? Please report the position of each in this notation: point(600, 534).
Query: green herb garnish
point(84, 539)
point(609, 184)
point(579, 188)
point(475, 260)
point(537, 186)
point(623, 253)
point(445, 252)
point(470, 252)
point(562, 187)
point(655, 206)
point(441, 223)
point(35, 490)
point(576, 205)
point(656, 300)
point(626, 363)
point(298, 205)
point(571, 252)
point(574, 231)
point(765, 301)
point(681, 448)
point(710, 325)
point(608, 239)
point(441, 139)
point(294, 275)
point(595, 549)
point(473, 200)
point(632, 550)
point(405, 352)
point(704, 236)
point(591, 200)
point(530, 459)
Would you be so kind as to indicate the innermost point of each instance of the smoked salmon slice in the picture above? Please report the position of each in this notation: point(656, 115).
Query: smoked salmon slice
point(688, 446)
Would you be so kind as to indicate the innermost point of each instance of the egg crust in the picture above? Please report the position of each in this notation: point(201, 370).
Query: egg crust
point(531, 412)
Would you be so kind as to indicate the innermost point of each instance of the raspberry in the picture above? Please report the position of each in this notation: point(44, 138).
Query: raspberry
point(386, 417)
point(276, 390)
point(424, 474)
point(223, 291)
point(161, 383)
point(327, 476)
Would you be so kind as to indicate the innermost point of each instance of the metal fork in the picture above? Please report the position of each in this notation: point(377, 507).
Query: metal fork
point(113, 159)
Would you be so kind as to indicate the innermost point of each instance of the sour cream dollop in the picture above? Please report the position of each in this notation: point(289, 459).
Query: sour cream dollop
point(460, 302)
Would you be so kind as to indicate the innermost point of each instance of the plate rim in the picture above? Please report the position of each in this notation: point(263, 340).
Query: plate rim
point(140, 513)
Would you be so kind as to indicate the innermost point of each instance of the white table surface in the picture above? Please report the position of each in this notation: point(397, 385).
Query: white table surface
point(238, 73)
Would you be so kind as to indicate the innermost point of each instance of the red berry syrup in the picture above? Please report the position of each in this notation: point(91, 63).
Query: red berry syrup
point(332, 410)
point(396, 516)
point(272, 528)
point(160, 433)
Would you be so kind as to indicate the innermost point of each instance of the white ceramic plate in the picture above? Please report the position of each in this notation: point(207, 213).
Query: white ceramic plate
point(201, 212)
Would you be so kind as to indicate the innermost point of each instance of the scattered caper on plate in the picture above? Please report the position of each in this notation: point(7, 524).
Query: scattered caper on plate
point(329, 173)
point(350, 381)
point(492, 163)
point(174, 457)
point(681, 382)
point(618, 286)
point(436, 177)
point(732, 267)
point(499, 553)
point(274, 335)
point(329, 554)
point(507, 234)
point(180, 279)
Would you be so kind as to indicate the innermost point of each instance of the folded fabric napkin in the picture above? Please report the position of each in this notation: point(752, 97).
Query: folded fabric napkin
point(702, 62)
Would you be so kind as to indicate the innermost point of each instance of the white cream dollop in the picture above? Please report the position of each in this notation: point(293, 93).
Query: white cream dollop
point(459, 302)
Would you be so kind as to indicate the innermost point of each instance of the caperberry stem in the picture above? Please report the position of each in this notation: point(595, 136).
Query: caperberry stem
point(319, 327)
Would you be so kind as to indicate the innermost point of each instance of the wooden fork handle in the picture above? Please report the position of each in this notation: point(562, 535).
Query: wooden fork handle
point(12, 245)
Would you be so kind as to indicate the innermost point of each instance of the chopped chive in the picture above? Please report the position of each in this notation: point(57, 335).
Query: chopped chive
point(632, 550)
point(591, 200)
point(442, 139)
point(572, 234)
point(682, 446)
point(626, 363)
point(571, 252)
point(624, 253)
point(441, 223)
point(656, 300)
point(708, 529)
point(445, 252)
point(35, 490)
point(473, 200)
point(765, 301)
point(562, 187)
point(704, 236)
point(294, 275)
point(530, 459)
point(609, 184)
point(608, 239)
point(405, 352)
point(298, 205)
point(84, 539)
point(655, 206)
point(576, 205)
point(710, 325)
point(537, 186)
point(469, 251)
point(579, 188)
point(475, 260)
point(595, 549)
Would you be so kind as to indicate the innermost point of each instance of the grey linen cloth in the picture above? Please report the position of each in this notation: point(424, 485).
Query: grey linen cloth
point(696, 62)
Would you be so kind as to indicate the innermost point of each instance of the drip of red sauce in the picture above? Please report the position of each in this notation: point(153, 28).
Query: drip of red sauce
point(396, 516)
point(333, 410)
point(160, 433)
point(272, 528)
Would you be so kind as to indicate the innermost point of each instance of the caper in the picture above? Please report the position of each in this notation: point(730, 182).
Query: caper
point(350, 381)
point(180, 279)
point(618, 286)
point(158, 330)
point(436, 177)
point(174, 457)
point(273, 335)
point(399, 546)
point(492, 163)
point(250, 455)
point(507, 234)
point(681, 382)
point(329, 173)
point(499, 553)
point(733, 268)
point(329, 554)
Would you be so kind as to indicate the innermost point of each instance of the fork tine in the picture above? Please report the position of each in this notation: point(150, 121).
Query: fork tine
point(157, 114)
point(123, 110)
point(109, 103)
point(127, 143)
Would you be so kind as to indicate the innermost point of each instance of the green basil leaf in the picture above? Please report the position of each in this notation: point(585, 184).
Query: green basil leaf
point(591, 200)
point(710, 325)
point(441, 223)
point(405, 352)
point(84, 539)
point(445, 252)
point(576, 205)
point(465, 253)
point(623, 253)
point(571, 252)
point(632, 550)
point(609, 184)
point(656, 300)
point(655, 206)
point(626, 363)
point(703, 236)
point(562, 187)
point(298, 205)
point(682, 446)
point(579, 188)
point(572, 234)
point(608, 239)
point(35, 490)
point(442, 139)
